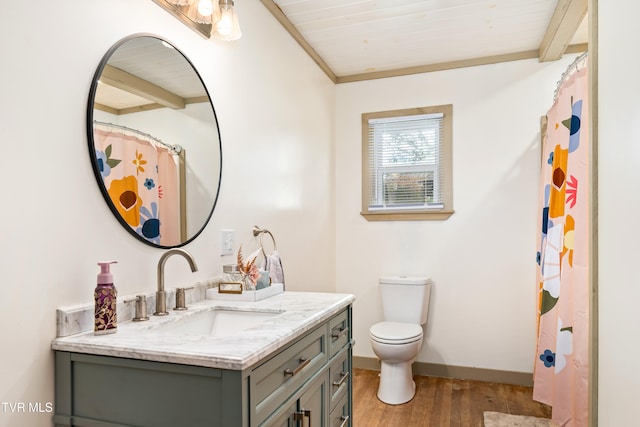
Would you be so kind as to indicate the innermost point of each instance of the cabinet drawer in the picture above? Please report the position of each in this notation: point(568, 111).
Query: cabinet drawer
point(340, 416)
point(339, 377)
point(279, 377)
point(339, 332)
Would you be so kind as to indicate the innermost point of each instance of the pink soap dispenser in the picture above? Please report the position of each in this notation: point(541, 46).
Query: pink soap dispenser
point(106, 320)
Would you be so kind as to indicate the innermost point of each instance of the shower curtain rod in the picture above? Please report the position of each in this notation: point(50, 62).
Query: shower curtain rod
point(175, 149)
point(580, 58)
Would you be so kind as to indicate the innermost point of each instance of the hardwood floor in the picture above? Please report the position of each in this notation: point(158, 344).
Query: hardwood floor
point(440, 402)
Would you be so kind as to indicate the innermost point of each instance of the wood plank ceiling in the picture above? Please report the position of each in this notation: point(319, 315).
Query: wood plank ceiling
point(355, 40)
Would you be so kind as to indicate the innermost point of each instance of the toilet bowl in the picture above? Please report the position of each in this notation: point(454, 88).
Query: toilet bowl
point(397, 340)
point(396, 345)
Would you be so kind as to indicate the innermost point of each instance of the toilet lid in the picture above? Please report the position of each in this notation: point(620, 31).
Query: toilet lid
point(396, 332)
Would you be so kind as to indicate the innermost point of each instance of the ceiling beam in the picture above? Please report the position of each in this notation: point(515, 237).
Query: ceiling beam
point(452, 65)
point(284, 21)
point(116, 77)
point(563, 25)
point(105, 108)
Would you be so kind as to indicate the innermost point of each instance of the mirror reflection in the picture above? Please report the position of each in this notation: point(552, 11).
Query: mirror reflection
point(154, 141)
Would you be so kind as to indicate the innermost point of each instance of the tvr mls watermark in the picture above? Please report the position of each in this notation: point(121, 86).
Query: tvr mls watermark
point(27, 407)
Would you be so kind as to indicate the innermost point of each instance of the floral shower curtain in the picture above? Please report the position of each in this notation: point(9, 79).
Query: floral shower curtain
point(561, 371)
point(143, 184)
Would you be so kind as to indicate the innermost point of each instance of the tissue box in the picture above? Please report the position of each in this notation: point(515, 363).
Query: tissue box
point(258, 295)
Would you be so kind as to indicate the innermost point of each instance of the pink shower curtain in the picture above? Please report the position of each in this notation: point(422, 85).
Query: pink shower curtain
point(561, 372)
point(142, 181)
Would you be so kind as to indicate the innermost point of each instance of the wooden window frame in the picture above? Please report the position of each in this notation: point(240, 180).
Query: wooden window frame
point(446, 164)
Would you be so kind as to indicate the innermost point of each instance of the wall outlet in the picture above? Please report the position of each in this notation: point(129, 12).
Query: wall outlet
point(227, 242)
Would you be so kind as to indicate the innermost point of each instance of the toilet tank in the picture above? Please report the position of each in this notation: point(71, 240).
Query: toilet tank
point(405, 299)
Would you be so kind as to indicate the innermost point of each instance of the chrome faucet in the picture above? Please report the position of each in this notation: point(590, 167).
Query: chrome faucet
point(161, 297)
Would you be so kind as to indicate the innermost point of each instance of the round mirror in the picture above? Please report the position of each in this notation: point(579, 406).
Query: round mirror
point(154, 141)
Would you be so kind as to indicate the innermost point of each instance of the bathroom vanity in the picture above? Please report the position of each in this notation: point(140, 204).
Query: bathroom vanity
point(283, 361)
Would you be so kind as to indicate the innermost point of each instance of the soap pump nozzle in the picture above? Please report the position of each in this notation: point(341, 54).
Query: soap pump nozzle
point(105, 277)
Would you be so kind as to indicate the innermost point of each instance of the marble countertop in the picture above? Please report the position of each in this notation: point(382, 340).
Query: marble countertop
point(302, 311)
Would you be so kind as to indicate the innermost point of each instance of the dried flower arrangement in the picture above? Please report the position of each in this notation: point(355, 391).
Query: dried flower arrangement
point(249, 268)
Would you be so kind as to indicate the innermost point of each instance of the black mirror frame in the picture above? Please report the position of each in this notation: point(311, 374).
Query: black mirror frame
point(91, 142)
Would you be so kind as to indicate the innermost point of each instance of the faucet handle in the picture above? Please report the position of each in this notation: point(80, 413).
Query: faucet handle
point(180, 298)
point(141, 308)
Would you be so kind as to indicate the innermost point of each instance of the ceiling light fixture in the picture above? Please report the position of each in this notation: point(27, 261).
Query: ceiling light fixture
point(181, 2)
point(204, 11)
point(205, 7)
point(227, 28)
point(220, 14)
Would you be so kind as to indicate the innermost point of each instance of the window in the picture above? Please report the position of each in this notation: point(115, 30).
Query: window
point(406, 164)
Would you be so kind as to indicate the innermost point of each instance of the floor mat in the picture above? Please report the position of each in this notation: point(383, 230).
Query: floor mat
point(498, 419)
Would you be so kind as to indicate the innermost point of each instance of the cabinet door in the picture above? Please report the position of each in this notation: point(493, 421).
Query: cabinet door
point(312, 404)
point(340, 377)
point(274, 381)
point(341, 414)
point(282, 418)
point(308, 410)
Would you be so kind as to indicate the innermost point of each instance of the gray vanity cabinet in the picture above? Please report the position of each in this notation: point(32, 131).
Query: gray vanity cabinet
point(322, 363)
point(306, 382)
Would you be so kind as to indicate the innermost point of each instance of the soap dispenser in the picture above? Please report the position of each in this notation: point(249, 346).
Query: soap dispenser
point(106, 320)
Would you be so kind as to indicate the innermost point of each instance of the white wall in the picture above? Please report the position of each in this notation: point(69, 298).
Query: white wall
point(482, 259)
point(275, 109)
point(619, 204)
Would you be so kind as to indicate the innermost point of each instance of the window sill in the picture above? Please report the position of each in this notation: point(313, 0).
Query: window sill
point(407, 216)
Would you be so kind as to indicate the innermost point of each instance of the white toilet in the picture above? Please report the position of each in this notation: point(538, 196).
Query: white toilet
point(397, 340)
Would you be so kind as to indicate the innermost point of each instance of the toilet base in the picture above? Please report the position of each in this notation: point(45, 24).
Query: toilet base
point(396, 383)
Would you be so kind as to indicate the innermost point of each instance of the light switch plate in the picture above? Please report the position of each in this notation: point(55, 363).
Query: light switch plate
point(227, 242)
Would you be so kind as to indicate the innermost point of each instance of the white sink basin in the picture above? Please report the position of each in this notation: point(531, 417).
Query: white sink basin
point(219, 322)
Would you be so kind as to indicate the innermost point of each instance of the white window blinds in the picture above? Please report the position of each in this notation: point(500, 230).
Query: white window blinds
point(405, 163)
